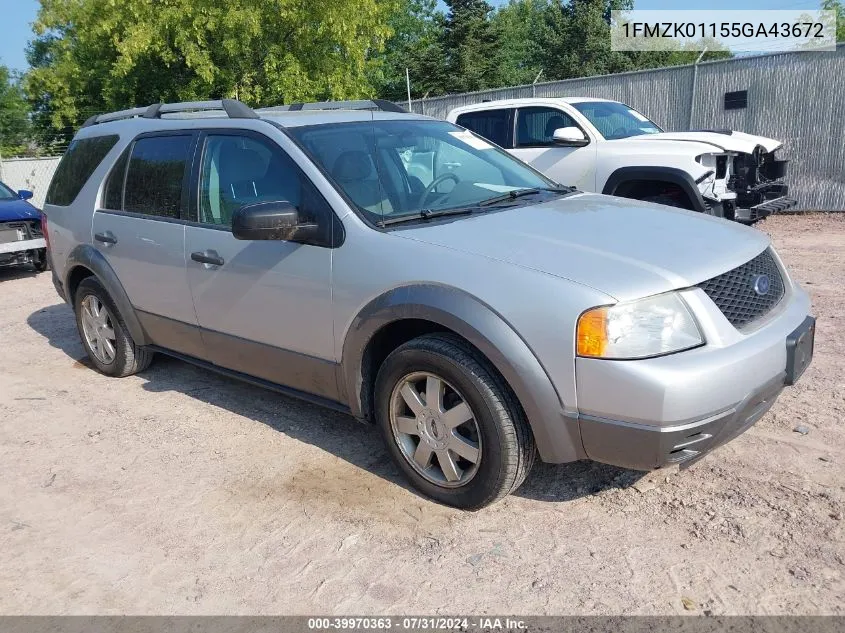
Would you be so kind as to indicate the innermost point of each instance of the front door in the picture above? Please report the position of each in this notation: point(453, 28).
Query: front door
point(138, 227)
point(574, 166)
point(264, 307)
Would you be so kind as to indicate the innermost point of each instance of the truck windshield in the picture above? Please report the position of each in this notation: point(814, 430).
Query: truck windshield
point(404, 168)
point(615, 120)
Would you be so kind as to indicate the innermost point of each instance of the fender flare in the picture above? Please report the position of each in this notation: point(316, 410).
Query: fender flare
point(668, 174)
point(86, 256)
point(558, 436)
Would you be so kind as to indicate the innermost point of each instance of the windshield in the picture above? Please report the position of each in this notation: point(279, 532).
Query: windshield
point(615, 120)
point(7, 194)
point(404, 168)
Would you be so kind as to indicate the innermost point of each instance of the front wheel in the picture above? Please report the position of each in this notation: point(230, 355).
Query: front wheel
point(451, 423)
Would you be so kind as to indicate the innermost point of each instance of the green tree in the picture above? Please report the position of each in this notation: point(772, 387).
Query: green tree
point(575, 40)
point(520, 50)
point(837, 7)
point(14, 115)
point(415, 44)
point(97, 55)
point(472, 46)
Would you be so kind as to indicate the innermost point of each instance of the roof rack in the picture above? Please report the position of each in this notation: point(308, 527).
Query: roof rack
point(232, 107)
point(361, 104)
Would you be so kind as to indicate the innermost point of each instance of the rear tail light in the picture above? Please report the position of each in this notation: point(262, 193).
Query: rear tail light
point(44, 230)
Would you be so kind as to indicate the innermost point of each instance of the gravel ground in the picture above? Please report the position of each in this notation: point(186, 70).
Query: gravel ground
point(180, 492)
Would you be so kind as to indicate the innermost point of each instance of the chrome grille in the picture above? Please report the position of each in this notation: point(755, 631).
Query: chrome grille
point(735, 294)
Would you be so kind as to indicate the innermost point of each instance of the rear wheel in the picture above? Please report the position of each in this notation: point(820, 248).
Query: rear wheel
point(450, 422)
point(104, 334)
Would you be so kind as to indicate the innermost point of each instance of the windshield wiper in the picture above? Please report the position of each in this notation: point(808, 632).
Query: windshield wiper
point(519, 193)
point(426, 214)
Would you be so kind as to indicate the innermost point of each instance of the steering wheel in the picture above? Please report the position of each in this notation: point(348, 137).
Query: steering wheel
point(449, 175)
point(620, 132)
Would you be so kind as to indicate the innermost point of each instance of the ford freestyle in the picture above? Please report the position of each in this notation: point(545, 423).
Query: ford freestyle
point(408, 272)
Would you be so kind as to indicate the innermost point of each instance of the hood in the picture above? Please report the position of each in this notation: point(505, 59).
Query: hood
point(16, 209)
point(733, 142)
point(624, 248)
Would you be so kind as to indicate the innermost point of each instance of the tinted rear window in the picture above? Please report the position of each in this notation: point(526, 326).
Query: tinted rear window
point(155, 175)
point(79, 162)
point(114, 185)
point(493, 125)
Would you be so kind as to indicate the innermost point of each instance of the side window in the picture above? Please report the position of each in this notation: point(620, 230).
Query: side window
point(494, 125)
point(535, 126)
point(113, 195)
point(155, 175)
point(79, 162)
point(240, 170)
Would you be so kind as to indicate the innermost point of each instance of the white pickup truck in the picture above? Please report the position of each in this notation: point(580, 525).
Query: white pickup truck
point(608, 147)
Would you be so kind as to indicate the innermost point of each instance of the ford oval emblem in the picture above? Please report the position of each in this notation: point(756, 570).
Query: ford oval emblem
point(761, 285)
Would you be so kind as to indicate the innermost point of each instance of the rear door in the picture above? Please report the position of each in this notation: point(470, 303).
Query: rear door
point(575, 166)
point(494, 125)
point(139, 227)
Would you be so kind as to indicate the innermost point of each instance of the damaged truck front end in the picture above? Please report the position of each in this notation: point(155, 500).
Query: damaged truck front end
point(748, 187)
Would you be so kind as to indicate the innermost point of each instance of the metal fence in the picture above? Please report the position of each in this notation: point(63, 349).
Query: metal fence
point(29, 173)
point(797, 98)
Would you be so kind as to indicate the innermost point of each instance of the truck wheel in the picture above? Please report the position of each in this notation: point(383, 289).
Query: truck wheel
point(451, 423)
point(104, 334)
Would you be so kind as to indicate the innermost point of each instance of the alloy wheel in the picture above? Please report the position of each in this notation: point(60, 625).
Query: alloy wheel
point(435, 429)
point(98, 329)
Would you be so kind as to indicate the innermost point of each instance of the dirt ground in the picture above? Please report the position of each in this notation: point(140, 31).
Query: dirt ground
point(180, 492)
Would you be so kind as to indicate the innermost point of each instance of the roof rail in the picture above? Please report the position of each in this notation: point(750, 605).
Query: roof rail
point(232, 107)
point(361, 104)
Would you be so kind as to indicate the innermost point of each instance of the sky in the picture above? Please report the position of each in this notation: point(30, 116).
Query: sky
point(18, 15)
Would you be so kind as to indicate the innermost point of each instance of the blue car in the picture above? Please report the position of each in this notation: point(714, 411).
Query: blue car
point(21, 238)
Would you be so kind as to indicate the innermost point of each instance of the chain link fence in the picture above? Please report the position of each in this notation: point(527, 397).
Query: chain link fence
point(29, 173)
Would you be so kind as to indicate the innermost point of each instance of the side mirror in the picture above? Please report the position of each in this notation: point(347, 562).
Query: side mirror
point(277, 220)
point(24, 194)
point(569, 136)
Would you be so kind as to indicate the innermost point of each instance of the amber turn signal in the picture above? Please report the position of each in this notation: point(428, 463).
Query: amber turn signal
point(592, 333)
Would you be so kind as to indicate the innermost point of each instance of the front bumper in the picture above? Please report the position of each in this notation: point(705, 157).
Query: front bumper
point(645, 447)
point(764, 209)
point(645, 414)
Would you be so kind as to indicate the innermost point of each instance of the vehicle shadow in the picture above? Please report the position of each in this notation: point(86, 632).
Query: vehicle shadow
point(8, 273)
point(337, 433)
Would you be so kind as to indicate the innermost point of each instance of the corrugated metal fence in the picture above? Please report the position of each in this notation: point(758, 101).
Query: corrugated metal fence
point(798, 98)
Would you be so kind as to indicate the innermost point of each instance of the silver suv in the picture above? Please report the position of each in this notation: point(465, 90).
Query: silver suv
point(406, 271)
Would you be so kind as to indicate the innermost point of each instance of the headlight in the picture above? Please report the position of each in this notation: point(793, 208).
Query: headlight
point(639, 329)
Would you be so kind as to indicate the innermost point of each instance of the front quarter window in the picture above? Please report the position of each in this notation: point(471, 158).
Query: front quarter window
point(390, 169)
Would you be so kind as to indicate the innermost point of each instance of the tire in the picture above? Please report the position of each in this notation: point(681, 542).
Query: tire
point(40, 261)
point(496, 425)
point(125, 358)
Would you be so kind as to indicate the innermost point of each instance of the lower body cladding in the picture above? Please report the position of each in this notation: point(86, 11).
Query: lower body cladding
point(644, 414)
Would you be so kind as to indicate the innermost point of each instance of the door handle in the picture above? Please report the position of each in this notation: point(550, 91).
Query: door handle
point(106, 238)
point(208, 257)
